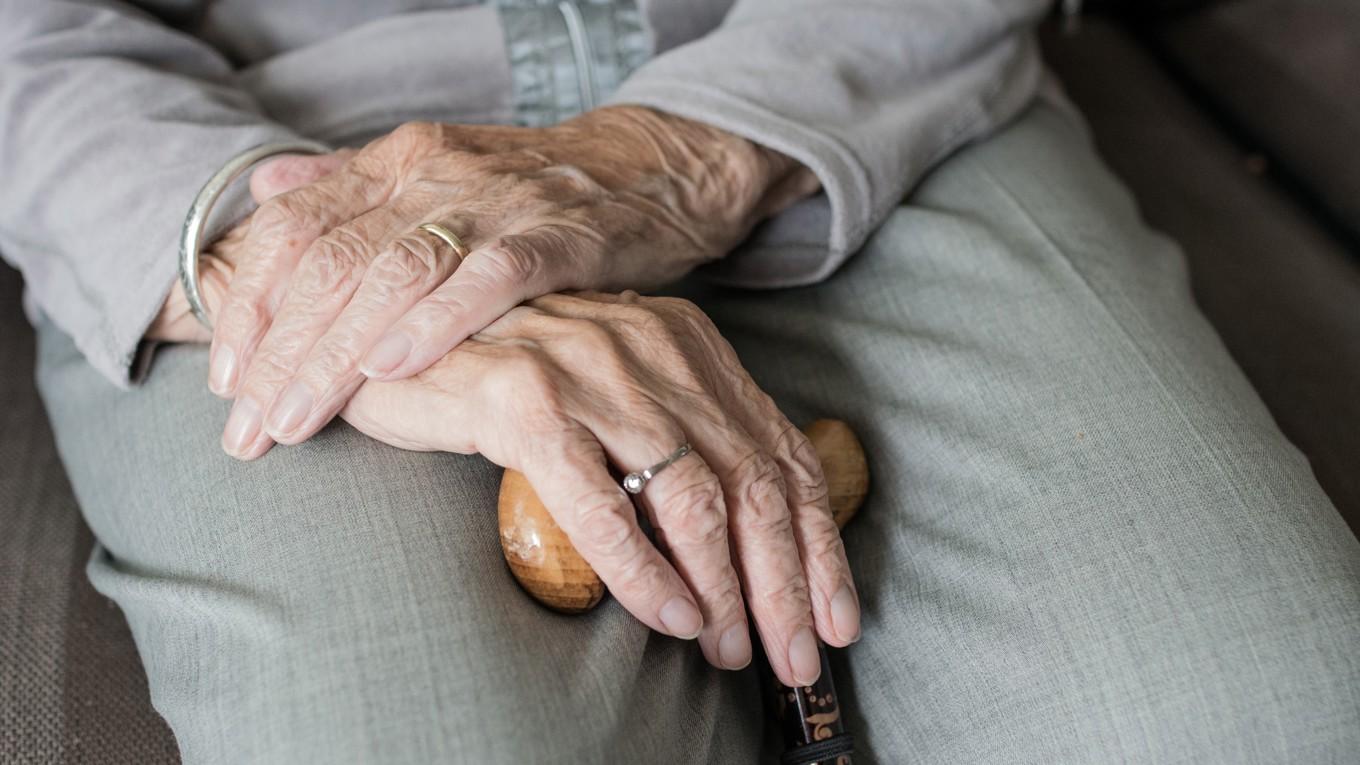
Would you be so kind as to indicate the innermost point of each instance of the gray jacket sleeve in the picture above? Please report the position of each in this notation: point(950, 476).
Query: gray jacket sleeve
point(868, 94)
point(102, 96)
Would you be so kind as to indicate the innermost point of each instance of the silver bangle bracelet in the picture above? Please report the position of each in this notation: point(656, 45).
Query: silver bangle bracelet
point(190, 238)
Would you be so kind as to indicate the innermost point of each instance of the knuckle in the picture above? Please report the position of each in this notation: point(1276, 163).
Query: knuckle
point(242, 316)
point(762, 488)
point(788, 596)
point(644, 317)
point(605, 525)
point(289, 169)
point(528, 381)
point(573, 180)
point(824, 545)
point(284, 219)
point(641, 323)
point(416, 136)
point(408, 263)
point(585, 339)
point(696, 515)
point(267, 369)
point(645, 574)
point(333, 359)
point(510, 259)
point(804, 475)
point(333, 264)
point(440, 307)
point(767, 520)
point(685, 310)
point(274, 216)
point(652, 323)
point(726, 594)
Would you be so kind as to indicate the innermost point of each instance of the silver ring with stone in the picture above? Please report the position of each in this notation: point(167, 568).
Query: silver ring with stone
point(634, 483)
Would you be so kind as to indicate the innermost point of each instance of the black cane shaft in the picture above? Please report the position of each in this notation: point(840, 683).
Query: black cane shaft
point(811, 720)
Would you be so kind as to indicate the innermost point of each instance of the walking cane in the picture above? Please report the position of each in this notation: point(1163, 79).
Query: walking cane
point(553, 573)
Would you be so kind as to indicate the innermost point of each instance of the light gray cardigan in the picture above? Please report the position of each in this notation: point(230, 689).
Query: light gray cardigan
point(113, 114)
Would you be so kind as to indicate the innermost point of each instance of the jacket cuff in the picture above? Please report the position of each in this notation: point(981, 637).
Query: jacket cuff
point(108, 327)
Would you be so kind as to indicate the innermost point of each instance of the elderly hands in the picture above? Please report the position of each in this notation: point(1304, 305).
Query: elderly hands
point(339, 283)
point(565, 386)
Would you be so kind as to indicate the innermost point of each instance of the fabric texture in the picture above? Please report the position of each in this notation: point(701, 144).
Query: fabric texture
point(111, 118)
point(1086, 540)
point(1286, 74)
point(866, 94)
point(566, 58)
point(1279, 288)
point(71, 687)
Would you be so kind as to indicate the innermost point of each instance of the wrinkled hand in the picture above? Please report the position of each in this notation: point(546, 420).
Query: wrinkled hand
point(566, 386)
point(338, 282)
point(175, 323)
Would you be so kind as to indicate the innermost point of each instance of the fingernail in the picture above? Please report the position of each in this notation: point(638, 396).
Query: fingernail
point(734, 647)
point(243, 424)
point(223, 372)
point(803, 658)
point(845, 614)
point(290, 410)
point(681, 618)
point(382, 358)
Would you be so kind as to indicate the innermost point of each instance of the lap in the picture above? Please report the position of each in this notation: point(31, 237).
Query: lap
point(1086, 540)
point(345, 601)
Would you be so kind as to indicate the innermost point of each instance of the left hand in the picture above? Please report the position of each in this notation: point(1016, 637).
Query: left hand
point(338, 282)
point(565, 386)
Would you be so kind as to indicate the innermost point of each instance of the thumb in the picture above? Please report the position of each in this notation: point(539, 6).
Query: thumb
point(286, 172)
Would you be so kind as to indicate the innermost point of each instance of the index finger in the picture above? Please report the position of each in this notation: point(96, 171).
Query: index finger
point(494, 278)
point(280, 231)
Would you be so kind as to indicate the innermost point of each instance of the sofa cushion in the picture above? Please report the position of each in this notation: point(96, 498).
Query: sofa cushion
point(1279, 289)
point(71, 684)
point(1286, 73)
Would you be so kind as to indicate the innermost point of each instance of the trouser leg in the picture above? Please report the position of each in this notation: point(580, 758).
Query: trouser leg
point(1086, 540)
point(344, 601)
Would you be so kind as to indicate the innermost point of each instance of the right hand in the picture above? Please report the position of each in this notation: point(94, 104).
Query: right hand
point(340, 285)
point(568, 385)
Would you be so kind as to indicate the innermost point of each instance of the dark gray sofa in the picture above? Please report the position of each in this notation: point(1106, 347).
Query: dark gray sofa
point(1241, 150)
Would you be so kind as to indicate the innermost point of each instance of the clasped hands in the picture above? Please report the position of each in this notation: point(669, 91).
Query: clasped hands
point(328, 300)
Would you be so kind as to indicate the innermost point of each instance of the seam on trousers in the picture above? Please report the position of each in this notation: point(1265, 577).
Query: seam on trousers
point(1142, 354)
point(1144, 358)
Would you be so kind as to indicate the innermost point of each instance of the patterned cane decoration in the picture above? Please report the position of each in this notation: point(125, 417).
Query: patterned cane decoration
point(810, 718)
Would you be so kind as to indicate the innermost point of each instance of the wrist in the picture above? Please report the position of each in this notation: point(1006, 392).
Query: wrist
point(721, 183)
point(735, 182)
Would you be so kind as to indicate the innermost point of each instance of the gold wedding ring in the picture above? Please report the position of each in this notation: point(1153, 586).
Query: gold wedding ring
point(450, 238)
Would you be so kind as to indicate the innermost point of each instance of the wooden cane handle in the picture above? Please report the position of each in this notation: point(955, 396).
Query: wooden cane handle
point(549, 568)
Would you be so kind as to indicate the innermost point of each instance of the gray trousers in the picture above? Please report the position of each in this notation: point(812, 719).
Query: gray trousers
point(1087, 541)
